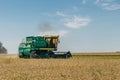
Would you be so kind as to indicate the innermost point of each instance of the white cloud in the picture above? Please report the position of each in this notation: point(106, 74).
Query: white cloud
point(63, 32)
point(97, 1)
point(76, 22)
point(58, 13)
point(55, 32)
point(108, 4)
point(111, 7)
point(83, 1)
point(73, 21)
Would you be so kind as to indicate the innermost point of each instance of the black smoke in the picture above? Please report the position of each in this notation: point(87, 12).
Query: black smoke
point(46, 26)
point(3, 50)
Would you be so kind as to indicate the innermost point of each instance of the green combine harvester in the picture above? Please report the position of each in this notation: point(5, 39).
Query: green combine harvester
point(41, 47)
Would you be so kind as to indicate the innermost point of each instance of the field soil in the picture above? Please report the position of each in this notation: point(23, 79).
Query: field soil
point(79, 67)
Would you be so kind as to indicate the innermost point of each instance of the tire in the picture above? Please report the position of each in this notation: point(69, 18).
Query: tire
point(47, 55)
point(69, 54)
point(66, 56)
point(33, 54)
point(21, 56)
point(52, 55)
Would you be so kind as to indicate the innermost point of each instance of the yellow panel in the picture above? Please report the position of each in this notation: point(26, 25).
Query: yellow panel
point(51, 36)
point(47, 48)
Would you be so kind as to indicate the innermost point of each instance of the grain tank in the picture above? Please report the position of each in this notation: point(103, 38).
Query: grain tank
point(41, 47)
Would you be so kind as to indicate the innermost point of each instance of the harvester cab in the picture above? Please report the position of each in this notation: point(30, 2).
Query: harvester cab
point(41, 47)
point(52, 41)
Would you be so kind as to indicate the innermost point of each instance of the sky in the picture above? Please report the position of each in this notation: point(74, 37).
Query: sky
point(83, 25)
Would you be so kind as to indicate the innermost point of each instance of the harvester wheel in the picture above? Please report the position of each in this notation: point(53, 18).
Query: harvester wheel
point(68, 55)
point(51, 53)
point(33, 54)
point(47, 55)
point(21, 56)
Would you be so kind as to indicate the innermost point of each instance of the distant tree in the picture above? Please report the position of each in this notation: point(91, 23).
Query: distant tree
point(0, 44)
point(3, 50)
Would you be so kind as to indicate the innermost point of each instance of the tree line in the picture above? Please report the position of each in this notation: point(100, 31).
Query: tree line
point(3, 50)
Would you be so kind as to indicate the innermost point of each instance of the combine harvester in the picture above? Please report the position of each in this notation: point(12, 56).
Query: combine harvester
point(41, 47)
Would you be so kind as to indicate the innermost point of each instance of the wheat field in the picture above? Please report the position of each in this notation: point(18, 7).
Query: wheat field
point(76, 68)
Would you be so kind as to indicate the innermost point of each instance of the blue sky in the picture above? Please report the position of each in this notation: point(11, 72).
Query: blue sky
point(84, 25)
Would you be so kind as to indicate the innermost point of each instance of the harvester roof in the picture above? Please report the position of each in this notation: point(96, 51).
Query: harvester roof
point(47, 36)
